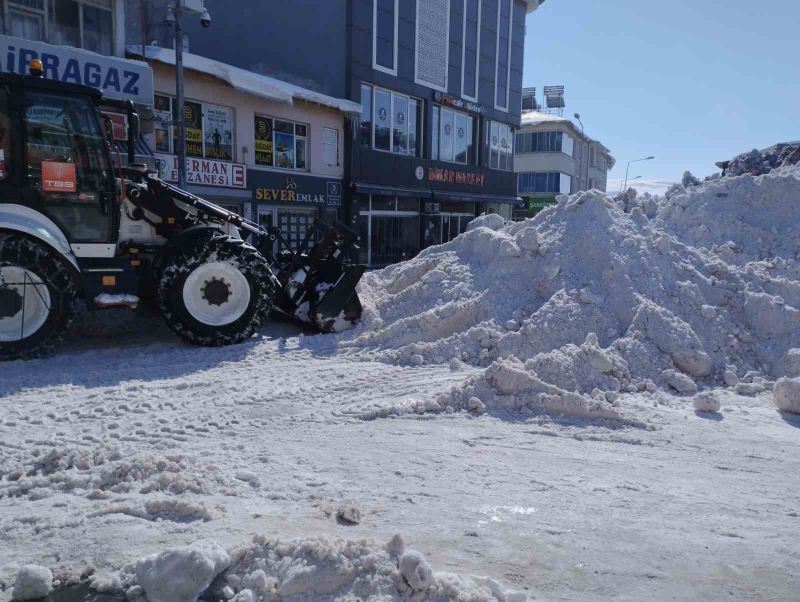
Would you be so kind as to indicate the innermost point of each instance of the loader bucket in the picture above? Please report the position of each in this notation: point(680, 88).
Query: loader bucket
point(318, 282)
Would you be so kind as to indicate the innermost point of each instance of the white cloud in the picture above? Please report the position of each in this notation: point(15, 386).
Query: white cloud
point(651, 186)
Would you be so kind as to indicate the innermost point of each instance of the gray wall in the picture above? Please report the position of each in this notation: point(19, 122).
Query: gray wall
point(300, 41)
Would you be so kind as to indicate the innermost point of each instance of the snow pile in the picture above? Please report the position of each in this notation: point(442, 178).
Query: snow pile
point(332, 568)
point(740, 219)
point(787, 395)
point(98, 472)
point(181, 575)
point(318, 568)
point(588, 300)
point(759, 162)
point(32, 582)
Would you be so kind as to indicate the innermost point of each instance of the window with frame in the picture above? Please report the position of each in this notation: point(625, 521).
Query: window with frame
point(390, 121)
point(544, 142)
point(453, 136)
point(208, 128)
point(503, 61)
point(85, 24)
point(544, 182)
point(469, 63)
point(384, 35)
point(330, 146)
point(281, 143)
point(500, 142)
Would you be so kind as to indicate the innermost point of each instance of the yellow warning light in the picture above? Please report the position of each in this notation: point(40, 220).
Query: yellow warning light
point(36, 68)
point(109, 281)
point(136, 262)
point(170, 220)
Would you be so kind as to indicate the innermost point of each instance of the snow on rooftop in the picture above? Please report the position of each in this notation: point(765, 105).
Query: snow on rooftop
point(535, 118)
point(247, 81)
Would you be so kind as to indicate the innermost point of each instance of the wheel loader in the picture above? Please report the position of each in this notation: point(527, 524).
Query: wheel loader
point(73, 226)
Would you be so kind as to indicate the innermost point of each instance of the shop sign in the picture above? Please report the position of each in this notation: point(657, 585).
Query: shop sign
point(205, 172)
point(264, 148)
point(119, 124)
point(274, 187)
point(218, 127)
point(458, 103)
point(455, 176)
point(118, 78)
point(193, 128)
point(334, 194)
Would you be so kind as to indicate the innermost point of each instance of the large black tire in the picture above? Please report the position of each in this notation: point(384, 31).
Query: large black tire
point(202, 254)
point(18, 251)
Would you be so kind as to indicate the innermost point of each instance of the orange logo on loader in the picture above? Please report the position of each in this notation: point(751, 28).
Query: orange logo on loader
point(59, 177)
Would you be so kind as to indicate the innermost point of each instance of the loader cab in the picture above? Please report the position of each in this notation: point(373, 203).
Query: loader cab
point(54, 157)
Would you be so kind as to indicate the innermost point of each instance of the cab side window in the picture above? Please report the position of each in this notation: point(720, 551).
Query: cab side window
point(5, 136)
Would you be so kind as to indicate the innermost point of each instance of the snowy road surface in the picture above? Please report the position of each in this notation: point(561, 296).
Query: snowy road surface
point(112, 449)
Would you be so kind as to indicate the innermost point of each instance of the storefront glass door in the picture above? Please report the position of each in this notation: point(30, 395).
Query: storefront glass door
point(394, 238)
point(295, 223)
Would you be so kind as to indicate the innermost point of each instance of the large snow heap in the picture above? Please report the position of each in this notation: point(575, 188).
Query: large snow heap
point(592, 298)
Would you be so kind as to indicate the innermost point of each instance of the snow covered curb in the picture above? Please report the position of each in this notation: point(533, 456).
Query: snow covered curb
point(314, 568)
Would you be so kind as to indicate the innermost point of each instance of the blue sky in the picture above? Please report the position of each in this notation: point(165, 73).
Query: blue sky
point(689, 81)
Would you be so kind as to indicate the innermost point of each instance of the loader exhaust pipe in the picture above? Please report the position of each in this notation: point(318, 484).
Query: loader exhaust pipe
point(133, 131)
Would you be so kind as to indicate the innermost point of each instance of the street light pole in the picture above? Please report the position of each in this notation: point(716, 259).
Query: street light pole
point(179, 109)
point(627, 169)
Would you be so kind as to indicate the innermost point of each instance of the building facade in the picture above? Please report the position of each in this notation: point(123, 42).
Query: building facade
point(439, 82)
point(261, 147)
point(440, 86)
point(553, 156)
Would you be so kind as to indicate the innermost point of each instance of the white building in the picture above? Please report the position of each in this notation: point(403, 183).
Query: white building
point(553, 156)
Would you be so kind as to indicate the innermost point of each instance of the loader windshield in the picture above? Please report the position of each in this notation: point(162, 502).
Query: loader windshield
point(67, 162)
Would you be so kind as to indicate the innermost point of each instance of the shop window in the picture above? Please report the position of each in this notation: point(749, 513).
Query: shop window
point(500, 141)
point(453, 136)
point(400, 125)
point(281, 143)
point(389, 228)
point(209, 128)
point(394, 119)
point(383, 119)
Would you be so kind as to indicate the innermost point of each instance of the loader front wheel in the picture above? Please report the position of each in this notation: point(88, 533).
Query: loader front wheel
point(37, 298)
point(216, 291)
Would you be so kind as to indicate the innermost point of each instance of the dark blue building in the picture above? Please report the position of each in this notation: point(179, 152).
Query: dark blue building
point(440, 84)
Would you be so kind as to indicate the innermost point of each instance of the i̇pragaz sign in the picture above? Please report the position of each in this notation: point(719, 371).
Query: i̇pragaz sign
point(117, 78)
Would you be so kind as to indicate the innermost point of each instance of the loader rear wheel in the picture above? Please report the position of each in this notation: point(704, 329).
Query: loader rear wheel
point(216, 291)
point(37, 298)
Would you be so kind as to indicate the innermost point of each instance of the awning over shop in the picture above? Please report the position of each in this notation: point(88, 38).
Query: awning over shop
point(464, 197)
point(391, 191)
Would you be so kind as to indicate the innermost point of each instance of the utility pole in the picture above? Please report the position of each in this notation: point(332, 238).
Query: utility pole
point(179, 109)
point(174, 14)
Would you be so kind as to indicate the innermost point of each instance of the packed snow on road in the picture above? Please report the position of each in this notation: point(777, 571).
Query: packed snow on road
point(598, 403)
